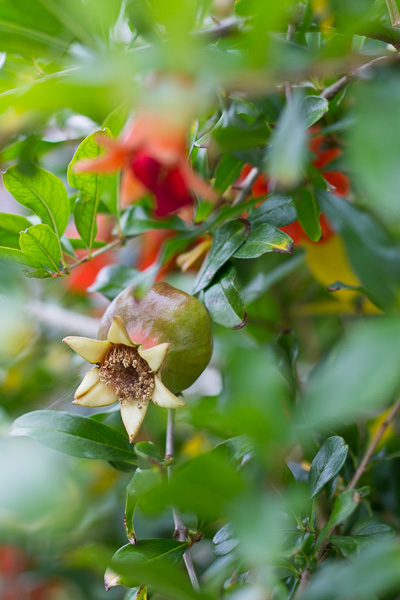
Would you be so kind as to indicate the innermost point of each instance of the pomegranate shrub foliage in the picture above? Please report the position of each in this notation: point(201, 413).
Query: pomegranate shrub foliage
point(201, 198)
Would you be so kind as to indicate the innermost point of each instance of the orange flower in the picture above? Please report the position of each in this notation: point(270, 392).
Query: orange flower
point(152, 155)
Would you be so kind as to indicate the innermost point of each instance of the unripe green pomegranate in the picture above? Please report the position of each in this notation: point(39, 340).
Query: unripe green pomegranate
point(166, 314)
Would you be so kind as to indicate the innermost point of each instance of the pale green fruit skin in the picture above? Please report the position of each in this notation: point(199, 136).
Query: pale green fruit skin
point(166, 314)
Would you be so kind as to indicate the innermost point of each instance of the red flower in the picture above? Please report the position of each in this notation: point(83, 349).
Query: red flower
point(152, 156)
point(323, 158)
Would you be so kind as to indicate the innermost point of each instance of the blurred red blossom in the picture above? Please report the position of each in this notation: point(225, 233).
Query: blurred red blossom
point(324, 156)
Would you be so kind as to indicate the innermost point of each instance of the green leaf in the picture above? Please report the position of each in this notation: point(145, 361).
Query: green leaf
point(149, 453)
point(262, 281)
point(372, 254)
point(227, 172)
point(116, 119)
point(41, 243)
point(135, 221)
point(374, 571)
point(111, 280)
point(224, 541)
point(10, 227)
point(17, 256)
point(74, 434)
point(93, 187)
point(146, 553)
point(142, 481)
point(237, 131)
point(377, 126)
point(43, 193)
point(327, 463)
point(341, 387)
point(345, 504)
point(224, 303)
point(314, 108)
point(226, 240)
point(288, 146)
point(365, 538)
point(308, 213)
point(265, 238)
point(277, 210)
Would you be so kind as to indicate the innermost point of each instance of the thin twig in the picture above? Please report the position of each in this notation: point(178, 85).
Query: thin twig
point(393, 12)
point(331, 91)
point(319, 555)
point(373, 445)
point(114, 244)
point(246, 186)
point(180, 529)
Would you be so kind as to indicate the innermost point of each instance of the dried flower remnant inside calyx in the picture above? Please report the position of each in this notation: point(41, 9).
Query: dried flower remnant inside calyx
point(124, 372)
point(127, 372)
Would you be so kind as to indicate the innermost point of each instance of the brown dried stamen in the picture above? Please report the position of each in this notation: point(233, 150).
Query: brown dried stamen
point(127, 372)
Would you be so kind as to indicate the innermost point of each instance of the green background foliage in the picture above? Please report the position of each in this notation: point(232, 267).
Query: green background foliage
point(285, 469)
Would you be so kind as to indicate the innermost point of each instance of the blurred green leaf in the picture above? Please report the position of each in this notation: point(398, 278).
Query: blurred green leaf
point(43, 193)
point(136, 220)
point(262, 281)
point(10, 227)
point(226, 240)
point(327, 463)
point(366, 537)
point(142, 481)
point(74, 434)
point(372, 254)
point(345, 504)
point(227, 172)
point(146, 553)
point(314, 108)
point(374, 571)
point(41, 243)
point(262, 239)
point(223, 301)
point(288, 146)
point(341, 387)
point(224, 540)
point(377, 126)
point(111, 280)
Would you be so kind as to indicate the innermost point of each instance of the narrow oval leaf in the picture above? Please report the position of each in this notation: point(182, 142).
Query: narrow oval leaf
point(341, 387)
point(224, 540)
point(17, 256)
point(41, 243)
point(146, 553)
point(91, 186)
point(314, 108)
point(308, 213)
point(135, 221)
point(327, 463)
point(224, 302)
point(142, 481)
point(345, 504)
point(43, 193)
point(265, 238)
point(111, 280)
point(74, 434)
point(10, 227)
point(288, 149)
point(227, 239)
